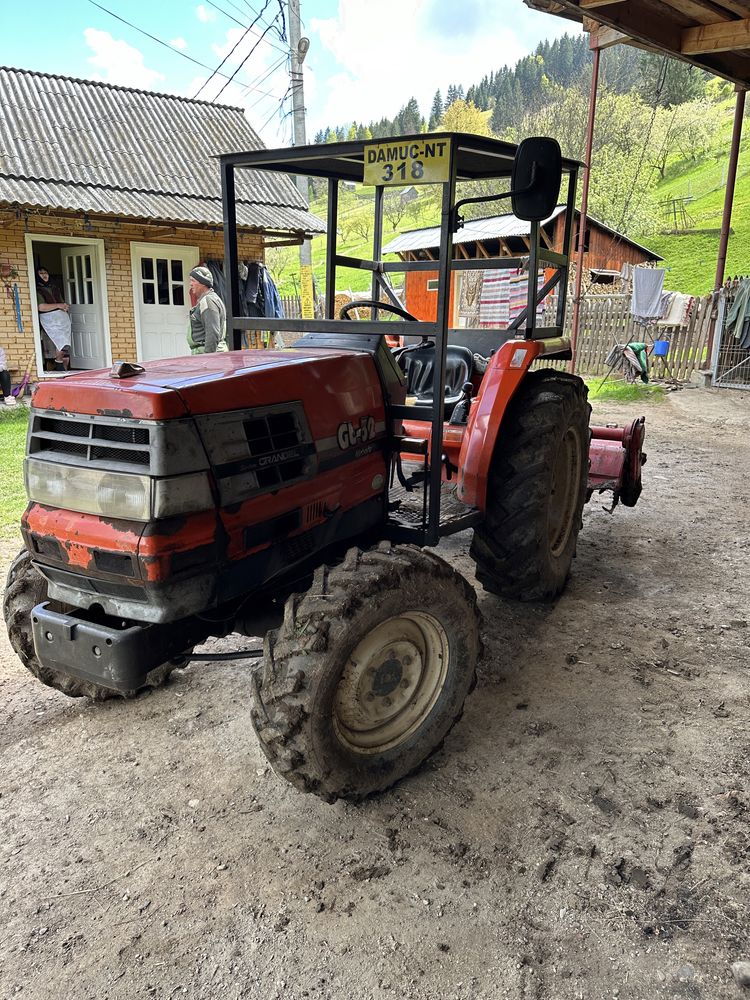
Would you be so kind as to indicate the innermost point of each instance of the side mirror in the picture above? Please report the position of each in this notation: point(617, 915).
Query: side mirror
point(536, 178)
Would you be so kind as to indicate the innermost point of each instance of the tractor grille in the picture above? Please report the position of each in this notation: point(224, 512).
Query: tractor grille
point(90, 440)
point(258, 450)
point(275, 438)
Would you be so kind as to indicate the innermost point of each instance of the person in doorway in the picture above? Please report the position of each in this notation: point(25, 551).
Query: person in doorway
point(54, 317)
point(7, 397)
point(207, 329)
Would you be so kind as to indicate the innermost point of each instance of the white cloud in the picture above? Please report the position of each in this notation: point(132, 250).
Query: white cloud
point(179, 43)
point(204, 14)
point(413, 49)
point(119, 62)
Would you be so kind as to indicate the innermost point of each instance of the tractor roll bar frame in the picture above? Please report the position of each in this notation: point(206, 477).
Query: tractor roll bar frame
point(471, 157)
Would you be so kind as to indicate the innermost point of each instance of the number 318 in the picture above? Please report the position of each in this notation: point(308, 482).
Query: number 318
point(417, 171)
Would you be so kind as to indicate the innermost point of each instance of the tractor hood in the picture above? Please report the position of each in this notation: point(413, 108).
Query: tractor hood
point(208, 383)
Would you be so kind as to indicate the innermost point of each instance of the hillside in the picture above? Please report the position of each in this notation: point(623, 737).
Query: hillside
point(692, 258)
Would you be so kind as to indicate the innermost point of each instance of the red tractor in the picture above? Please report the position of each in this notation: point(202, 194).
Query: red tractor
point(296, 493)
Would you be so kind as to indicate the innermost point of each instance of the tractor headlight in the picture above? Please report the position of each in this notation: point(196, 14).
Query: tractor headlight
point(116, 494)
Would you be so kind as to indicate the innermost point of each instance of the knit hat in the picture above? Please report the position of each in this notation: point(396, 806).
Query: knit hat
point(203, 275)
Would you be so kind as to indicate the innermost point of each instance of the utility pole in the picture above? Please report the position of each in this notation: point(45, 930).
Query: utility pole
point(298, 47)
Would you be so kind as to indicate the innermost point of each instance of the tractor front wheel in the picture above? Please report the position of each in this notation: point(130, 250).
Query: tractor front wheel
point(26, 587)
point(536, 490)
point(368, 672)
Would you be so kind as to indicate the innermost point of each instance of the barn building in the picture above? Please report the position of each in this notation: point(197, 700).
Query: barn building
point(606, 252)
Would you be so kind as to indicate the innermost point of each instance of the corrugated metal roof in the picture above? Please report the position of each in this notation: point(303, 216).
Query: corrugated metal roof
point(93, 147)
point(495, 227)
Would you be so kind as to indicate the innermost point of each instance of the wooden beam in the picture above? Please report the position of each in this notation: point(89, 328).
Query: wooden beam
point(739, 7)
point(723, 36)
point(283, 243)
point(601, 36)
point(698, 10)
point(588, 4)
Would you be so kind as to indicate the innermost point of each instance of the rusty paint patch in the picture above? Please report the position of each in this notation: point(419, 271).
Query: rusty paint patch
point(78, 555)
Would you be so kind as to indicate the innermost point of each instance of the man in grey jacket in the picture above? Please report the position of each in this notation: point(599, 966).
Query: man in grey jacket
point(207, 331)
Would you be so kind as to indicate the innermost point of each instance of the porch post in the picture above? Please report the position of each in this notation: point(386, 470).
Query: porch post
point(734, 153)
point(584, 208)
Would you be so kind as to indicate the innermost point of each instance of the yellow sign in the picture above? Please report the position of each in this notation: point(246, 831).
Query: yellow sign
point(426, 161)
point(306, 292)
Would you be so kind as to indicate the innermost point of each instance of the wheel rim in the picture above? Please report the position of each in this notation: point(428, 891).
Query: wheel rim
point(564, 493)
point(391, 682)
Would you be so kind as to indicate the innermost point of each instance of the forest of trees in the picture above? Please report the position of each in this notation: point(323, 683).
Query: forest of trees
point(651, 109)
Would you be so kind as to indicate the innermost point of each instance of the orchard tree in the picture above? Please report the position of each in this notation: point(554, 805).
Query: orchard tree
point(394, 208)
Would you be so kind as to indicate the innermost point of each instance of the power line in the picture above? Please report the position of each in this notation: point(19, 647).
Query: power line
point(260, 39)
point(253, 85)
point(277, 109)
point(154, 38)
point(233, 18)
point(239, 42)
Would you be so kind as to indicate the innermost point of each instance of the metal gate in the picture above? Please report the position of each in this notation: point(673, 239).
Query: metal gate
point(731, 361)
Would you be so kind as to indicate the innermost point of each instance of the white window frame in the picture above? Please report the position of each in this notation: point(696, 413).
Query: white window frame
point(141, 246)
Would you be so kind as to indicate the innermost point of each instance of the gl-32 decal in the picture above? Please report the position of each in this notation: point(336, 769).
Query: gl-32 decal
point(348, 435)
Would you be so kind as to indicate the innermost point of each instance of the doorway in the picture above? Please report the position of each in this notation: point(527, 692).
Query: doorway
point(161, 277)
point(76, 277)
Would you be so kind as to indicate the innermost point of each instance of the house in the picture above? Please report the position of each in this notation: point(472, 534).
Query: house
point(605, 253)
point(117, 193)
point(408, 195)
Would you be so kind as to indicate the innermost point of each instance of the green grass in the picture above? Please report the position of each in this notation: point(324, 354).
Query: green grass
point(12, 449)
point(620, 391)
point(692, 259)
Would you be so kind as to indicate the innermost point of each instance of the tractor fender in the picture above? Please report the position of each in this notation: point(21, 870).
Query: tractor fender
point(506, 371)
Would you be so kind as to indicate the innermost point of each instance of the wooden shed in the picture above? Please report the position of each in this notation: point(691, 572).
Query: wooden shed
point(605, 253)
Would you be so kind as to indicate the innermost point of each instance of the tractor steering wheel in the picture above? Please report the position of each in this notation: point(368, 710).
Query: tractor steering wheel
point(372, 304)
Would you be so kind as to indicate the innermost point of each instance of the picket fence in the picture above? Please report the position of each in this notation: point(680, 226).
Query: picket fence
point(605, 321)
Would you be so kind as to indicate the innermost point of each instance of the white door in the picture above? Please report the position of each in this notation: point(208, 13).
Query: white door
point(88, 347)
point(161, 279)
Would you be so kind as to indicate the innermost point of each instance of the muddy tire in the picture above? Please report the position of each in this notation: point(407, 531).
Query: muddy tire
point(26, 588)
point(368, 672)
point(536, 490)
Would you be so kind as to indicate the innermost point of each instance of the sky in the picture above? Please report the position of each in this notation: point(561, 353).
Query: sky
point(365, 60)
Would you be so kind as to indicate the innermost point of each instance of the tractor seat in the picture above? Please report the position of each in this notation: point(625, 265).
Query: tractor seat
point(419, 364)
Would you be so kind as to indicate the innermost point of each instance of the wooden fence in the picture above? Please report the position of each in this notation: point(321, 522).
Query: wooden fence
point(606, 321)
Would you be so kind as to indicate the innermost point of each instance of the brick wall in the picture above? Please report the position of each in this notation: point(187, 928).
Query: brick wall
point(117, 236)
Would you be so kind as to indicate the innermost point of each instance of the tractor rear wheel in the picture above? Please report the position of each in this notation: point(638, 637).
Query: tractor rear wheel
point(536, 490)
point(26, 587)
point(368, 672)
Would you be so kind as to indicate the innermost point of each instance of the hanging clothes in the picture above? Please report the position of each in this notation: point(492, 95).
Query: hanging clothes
point(648, 301)
point(737, 322)
point(258, 294)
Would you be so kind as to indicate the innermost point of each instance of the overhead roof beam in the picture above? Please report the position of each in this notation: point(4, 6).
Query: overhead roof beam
point(700, 10)
point(724, 36)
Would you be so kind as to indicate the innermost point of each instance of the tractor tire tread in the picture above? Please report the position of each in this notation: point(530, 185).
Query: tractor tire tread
point(508, 547)
point(284, 684)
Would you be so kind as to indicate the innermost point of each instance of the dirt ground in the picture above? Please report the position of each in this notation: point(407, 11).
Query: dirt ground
point(584, 832)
